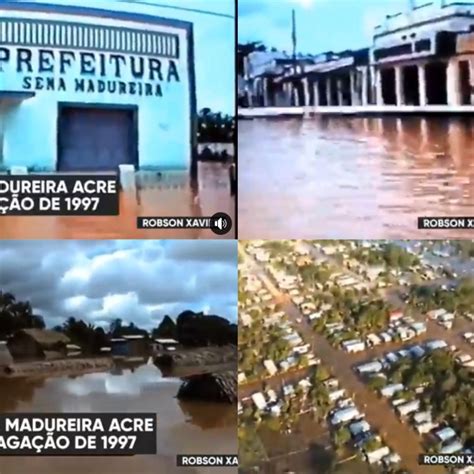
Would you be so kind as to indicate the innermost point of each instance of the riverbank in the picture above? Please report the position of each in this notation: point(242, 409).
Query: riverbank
point(57, 367)
point(199, 357)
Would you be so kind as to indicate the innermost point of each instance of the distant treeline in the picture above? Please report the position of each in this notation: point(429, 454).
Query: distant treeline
point(190, 329)
point(215, 127)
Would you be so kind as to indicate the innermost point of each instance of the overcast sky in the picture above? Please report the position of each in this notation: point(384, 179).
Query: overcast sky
point(214, 39)
point(322, 25)
point(138, 281)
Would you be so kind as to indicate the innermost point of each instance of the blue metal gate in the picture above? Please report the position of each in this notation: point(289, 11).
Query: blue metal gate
point(96, 139)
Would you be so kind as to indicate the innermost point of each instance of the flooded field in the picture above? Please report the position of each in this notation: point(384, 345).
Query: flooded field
point(186, 428)
point(167, 197)
point(354, 177)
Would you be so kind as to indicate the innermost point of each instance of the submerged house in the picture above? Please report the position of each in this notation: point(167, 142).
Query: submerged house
point(38, 344)
point(130, 345)
point(165, 344)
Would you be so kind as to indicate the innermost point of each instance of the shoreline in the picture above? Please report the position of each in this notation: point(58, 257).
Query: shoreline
point(48, 368)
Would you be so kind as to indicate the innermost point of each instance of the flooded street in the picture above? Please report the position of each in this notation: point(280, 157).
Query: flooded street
point(172, 197)
point(354, 177)
point(185, 428)
point(378, 413)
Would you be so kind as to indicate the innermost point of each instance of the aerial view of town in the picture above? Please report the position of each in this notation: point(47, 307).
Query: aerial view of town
point(355, 356)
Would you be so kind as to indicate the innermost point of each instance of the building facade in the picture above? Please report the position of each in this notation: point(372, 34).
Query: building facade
point(425, 56)
point(419, 57)
point(88, 90)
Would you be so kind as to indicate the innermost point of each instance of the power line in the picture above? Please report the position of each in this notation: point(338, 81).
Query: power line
point(148, 4)
point(184, 9)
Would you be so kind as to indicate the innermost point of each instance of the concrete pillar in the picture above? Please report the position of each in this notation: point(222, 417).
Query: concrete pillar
point(365, 86)
point(422, 85)
point(399, 85)
point(378, 86)
point(249, 89)
point(127, 177)
point(288, 93)
point(340, 97)
point(265, 91)
point(328, 90)
point(305, 92)
point(296, 96)
point(248, 81)
point(353, 76)
point(471, 75)
point(316, 94)
point(453, 83)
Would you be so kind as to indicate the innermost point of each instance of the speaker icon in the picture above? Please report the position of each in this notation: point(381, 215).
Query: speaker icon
point(221, 223)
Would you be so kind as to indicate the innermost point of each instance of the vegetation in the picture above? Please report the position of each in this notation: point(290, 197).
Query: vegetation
point(448, 388)
point(15, 315)
point(341, 437)
point(215, 127)
point(458, 299)
point(390, 255)
point(465, 248)
point(257, 344)
point(166, 329)
point(251, 450)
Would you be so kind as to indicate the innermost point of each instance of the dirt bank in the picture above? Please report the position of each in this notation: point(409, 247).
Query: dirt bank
point(62, 366)
point(198, 357)
point(216, 387)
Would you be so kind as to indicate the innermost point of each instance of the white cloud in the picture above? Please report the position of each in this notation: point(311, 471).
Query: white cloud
point(137, 281)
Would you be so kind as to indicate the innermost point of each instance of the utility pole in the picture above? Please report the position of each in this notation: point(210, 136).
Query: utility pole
point(293, 38)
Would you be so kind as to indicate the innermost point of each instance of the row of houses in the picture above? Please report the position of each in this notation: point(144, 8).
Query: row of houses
point(411, 410)
point(39, 344)
point(415, 351)
point(344, 414)
point(421, 56)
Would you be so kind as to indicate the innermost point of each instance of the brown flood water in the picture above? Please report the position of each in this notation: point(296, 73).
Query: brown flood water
point(354, 177)
point(185, 428)
point(155, 199)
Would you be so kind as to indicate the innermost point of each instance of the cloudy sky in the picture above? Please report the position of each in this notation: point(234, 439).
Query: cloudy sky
point(323, 25)
point(137, 281)
point(214, 38)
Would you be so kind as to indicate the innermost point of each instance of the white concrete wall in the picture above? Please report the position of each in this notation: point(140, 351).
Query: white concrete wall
point(409, 22)
point(164, 122)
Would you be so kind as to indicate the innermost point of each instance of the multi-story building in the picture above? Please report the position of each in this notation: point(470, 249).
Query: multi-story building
point(422, 56)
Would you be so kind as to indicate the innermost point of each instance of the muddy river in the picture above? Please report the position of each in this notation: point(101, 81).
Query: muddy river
point(354, 177)
point(186, 428)
point(165, 196)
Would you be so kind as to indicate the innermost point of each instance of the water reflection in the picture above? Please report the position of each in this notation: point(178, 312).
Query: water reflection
point(182, 427)
point(167, 196)
point(353, 177)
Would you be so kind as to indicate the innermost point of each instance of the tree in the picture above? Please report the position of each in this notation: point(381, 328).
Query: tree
point(166, 329)
point(215, 127)
point(115, 327)
point(341, 437)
